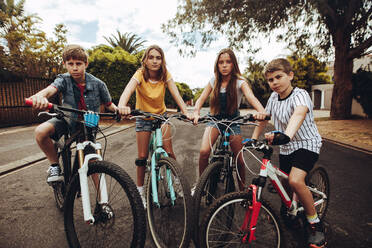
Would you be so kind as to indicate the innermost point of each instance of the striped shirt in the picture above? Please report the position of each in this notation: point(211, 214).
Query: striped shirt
point(281, 110)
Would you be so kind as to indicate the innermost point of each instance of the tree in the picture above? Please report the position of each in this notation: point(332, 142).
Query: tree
point(318, 25)
point(362, 90)
point(260, 87)
point(128, 41)
point(27, 51)
point(197, 93)
point(308, 71)
point(115, 67)
point(185, 92)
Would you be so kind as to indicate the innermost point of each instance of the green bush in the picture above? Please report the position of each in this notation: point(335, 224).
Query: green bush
point(362, 90)
point(115, 67)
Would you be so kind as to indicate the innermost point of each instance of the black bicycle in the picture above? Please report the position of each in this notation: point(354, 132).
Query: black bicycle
point(101, 204)
point(218, 178)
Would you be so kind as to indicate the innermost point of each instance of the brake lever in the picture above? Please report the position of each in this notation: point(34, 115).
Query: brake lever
point(47, 113)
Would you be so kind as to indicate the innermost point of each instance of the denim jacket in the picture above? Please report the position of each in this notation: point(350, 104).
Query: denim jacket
point(95, 92)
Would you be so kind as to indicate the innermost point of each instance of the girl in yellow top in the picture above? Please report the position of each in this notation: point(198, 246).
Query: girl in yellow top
point(150, 82)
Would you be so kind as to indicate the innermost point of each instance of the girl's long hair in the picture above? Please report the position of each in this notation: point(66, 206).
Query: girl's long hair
point(231, 87)
point(162, 73)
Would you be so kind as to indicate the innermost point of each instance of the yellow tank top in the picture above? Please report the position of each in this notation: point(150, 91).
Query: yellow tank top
point(150, 95)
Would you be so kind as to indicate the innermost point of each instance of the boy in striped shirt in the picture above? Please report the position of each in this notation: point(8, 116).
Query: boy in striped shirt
point(291, 109)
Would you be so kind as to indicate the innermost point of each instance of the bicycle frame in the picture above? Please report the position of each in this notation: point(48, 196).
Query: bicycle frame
point(156, 151)
point(268, 170)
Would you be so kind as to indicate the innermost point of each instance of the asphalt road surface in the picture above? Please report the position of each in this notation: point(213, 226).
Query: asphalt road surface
point(29, 218)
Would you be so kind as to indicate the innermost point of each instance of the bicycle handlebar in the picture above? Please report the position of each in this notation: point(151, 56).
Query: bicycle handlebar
point(244, 118)
point(137, 112)
point(52, 106)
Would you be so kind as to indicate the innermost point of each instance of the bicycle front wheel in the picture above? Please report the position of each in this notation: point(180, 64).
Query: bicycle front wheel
point(213, 183)
point(223, 222)
point(121, 222)
point(169, 222)
point(318, 180)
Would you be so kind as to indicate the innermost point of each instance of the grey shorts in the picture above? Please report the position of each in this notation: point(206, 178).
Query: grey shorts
point(234, 129)
point(143, 125)
point(60, 128)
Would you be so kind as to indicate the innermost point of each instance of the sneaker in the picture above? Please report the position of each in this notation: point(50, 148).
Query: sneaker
point(316, 237)
point(54, 174)
point(177, 187)
point(143, 198)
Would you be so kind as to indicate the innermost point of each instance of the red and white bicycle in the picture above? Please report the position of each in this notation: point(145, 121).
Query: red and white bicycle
point(246, 219)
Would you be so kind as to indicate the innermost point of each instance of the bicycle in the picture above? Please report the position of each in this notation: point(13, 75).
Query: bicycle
point(167, 190)
point(218, 178)
point(246, 218)
point(110, 212)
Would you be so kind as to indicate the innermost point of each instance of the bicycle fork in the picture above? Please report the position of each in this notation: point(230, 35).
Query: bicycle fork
point(251, 216)
point(99, 181)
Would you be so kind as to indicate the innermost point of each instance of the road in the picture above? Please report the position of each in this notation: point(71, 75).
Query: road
point(28, 217)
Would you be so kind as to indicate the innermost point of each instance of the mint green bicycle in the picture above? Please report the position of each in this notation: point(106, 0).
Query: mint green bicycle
point(167, 190)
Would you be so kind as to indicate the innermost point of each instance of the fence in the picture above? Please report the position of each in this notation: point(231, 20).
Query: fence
point(12, 97)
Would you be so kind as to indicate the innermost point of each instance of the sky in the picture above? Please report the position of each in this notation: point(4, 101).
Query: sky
point(89, 21)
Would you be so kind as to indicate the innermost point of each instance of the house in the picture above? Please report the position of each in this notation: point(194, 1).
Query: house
point(321, 94)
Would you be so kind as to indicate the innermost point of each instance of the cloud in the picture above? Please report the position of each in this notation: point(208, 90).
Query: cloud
point(88, 21)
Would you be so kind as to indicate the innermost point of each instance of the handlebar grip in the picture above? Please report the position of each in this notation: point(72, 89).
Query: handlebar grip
point(28, 102)
point(250, 117)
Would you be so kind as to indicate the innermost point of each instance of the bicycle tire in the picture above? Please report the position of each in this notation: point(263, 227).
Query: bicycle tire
point(59, 188)
point(213, 183)
point(169, 224)
point(119, 223)
point(318, 178)
point(227, 214)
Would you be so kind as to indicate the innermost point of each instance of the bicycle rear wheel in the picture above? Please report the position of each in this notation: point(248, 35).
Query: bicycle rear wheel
point(169, 224)
point(213, 183)
point(318, 179)
point(222, 224)
point(119, 223)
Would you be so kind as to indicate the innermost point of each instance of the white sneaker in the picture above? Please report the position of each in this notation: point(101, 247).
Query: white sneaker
point(177, 187)
point(54, 174)
point(143, 198)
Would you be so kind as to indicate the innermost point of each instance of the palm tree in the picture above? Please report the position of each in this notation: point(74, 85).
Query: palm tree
point(128, 41)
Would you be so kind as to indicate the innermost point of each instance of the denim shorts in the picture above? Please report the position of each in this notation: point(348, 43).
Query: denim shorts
point(60, 128)
point(234, 129)
point(143, 125)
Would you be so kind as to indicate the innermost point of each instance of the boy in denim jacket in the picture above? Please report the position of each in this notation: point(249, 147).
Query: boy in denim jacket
point(79, 90)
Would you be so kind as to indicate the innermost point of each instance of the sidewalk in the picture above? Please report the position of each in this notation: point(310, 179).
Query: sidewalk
point(18, 147)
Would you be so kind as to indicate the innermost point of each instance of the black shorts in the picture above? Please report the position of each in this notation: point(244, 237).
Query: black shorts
point(302, 159)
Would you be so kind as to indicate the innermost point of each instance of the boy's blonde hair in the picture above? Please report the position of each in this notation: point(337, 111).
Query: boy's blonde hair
point(278, 65)
point(74, 51)
point(162, 74)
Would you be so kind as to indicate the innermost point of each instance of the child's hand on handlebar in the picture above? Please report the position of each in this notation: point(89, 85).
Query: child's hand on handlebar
point(277, 138)
point(260, 116)
point(124, 111)
point(196, 116)
point(39, 102)
point(188, 115)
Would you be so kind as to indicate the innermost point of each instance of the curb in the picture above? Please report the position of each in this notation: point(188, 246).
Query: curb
point(360, 149)
point(16, 165)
